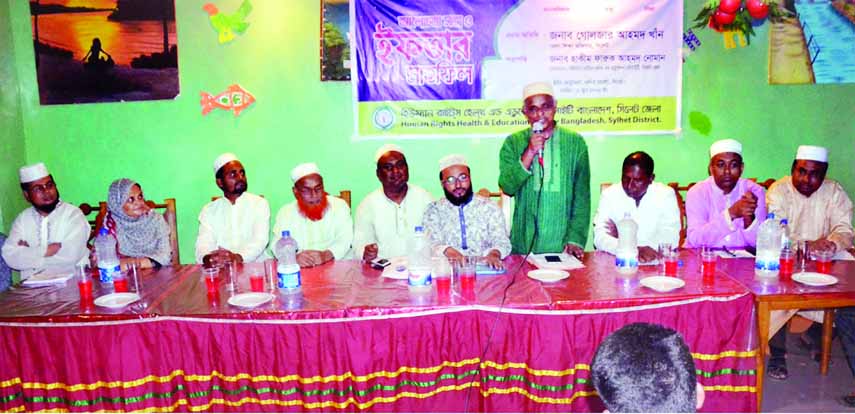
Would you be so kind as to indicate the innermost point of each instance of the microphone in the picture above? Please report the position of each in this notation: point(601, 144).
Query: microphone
point(538, 128)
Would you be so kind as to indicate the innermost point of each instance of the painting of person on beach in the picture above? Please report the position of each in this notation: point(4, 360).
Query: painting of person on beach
point(815, 45)
point(90, 51)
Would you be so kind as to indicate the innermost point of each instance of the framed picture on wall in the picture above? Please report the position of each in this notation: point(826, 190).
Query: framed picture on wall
point(335, 40)
point(90, 51)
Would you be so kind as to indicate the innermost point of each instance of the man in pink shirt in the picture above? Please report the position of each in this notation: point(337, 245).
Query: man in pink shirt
point(725, 210)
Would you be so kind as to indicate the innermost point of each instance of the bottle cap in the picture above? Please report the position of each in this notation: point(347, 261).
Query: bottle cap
point(419, 229)
point(770, 216)
point(286, 233)
point(103, 231)
point(784, 221)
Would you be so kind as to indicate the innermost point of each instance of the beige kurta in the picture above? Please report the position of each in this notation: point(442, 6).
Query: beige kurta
point(827, 213)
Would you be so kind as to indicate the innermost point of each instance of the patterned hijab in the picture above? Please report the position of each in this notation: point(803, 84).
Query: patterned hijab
point(138, 237)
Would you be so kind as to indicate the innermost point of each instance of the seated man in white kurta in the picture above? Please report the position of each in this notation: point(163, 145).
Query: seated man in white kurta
point(49, 235)
point(653, 206)
point(234, 227)
point(320, 224)
point(386, 218)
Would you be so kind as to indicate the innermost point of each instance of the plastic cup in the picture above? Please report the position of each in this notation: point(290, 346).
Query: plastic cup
point(466, 273)
point(787, 262)
point(84, 283)
point(441, 273)
point(120, 284)
point(708, 260)
point(256, 283)
point(212, 279)
point(823, 261)
point(270, 273)
point(668, 256)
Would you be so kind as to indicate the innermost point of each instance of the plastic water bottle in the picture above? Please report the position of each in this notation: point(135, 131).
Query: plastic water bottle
point(419, 261)
point(786, 242)
point(626, 256)
point(287, 271)
point(108, 260)
point(767, 264)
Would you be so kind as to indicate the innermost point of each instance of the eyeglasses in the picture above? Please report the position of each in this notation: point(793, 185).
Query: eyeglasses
point(308, 192)
point(460, 178)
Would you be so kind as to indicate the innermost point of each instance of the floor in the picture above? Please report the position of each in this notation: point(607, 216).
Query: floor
point(806, 390)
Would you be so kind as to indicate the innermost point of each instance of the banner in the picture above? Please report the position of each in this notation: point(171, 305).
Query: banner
point(456, 68)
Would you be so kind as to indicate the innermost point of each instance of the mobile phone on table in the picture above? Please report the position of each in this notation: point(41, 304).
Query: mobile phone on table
point(379, 263)
point(553, 258)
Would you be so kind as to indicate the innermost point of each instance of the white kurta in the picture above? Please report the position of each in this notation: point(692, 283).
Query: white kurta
point(242, 227)
point(657, 216)
point(382, 221)
point(334, 232)
point(66, 224)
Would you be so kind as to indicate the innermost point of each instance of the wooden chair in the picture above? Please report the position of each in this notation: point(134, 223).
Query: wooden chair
point(169, 214)
point(345, 195)
point(504, 202)
point(94, 225)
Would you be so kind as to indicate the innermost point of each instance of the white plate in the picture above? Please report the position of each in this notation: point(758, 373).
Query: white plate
point(662, 283)
point(117, 300)
point(250, 299)
point(548, 275)
point(814, 279)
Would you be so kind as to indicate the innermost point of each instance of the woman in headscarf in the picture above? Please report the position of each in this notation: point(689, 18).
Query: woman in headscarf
point(143, 234)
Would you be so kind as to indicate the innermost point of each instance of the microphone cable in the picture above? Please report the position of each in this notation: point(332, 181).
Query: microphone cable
point(507, 288)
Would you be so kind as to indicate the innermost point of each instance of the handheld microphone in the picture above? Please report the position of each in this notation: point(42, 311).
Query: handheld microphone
point(538, 128)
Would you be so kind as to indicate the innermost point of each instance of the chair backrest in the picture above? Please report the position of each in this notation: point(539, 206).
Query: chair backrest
point(87, 210)
point(345, 195)
point(169, 214)
point(504, 202)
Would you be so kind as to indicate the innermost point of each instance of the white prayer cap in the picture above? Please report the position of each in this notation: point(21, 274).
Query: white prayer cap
point(30, 173)
point(303, 170)
point(387, 148)
point(812, 153)
point(537, 88)
point(224, 159)
point(725, 145)
point(453, 159)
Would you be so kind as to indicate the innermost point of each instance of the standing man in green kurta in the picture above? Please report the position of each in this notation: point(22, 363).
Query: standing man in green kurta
point(545, 167)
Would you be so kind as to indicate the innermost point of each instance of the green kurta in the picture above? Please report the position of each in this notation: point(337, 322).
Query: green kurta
point(565, 205)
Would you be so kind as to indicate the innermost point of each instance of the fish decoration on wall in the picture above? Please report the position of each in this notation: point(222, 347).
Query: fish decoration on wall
point(227, 25)
point(235, 99)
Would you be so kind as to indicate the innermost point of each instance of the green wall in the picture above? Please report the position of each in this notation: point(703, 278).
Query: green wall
point(11, 126)
point(169, 146)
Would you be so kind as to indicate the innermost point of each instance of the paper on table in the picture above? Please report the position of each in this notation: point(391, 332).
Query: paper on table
point(843, 255)
point(47, 277)
point(397, 268)
point(734, 254)
point(567, 262)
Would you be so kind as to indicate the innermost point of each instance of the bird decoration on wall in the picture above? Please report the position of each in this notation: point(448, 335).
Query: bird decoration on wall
point(235, 99)
point(227, 25)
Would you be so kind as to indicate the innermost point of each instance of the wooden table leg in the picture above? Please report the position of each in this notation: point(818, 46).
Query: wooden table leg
point(827, 322)
point(763, 315)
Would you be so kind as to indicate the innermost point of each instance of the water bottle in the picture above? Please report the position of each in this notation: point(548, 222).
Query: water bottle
point(108, 260)
point(626, 256)
point(287, 271)
point(786, 243)
point(767, 264)
point(419, 261)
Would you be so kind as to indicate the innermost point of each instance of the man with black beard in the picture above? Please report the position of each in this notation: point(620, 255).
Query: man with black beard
point(49, 235)
point(236, 226)
point(463, 225)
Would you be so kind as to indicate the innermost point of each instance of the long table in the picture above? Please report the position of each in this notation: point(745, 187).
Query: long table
point(354, 341)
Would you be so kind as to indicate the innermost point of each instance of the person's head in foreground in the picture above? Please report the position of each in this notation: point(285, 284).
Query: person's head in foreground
point(646, 368)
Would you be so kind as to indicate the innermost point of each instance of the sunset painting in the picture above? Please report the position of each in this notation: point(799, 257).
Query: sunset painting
point(91, 51)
